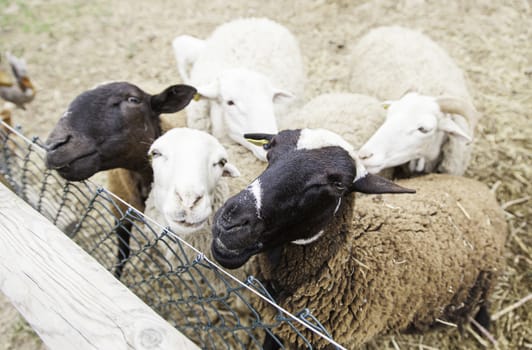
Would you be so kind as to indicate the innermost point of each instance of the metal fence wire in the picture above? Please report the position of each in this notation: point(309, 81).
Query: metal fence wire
point(213, 308)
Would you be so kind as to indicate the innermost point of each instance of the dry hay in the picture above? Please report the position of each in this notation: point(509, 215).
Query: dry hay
point(70, 46)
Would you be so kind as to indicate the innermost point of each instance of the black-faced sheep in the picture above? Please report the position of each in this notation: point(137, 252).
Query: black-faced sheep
point(407, 263)
point(244, 71)
point(431, 118)
point(112, 127)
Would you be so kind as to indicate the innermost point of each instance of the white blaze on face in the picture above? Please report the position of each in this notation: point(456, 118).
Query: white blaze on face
point(255, 190)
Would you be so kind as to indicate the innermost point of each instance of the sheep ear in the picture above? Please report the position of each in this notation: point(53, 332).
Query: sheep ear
point(172, 99)
point(279, 95)
point(210, 91)
point(375, 184)
point(230, 170)
point(449, 126)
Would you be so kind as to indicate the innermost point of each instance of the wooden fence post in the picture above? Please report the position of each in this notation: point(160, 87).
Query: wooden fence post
point(68, 298)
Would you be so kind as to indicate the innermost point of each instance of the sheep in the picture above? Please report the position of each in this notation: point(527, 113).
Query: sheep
point(431, 118)
point(111, 127)
point(188, 187)
point(406, 264)
point(247, 73)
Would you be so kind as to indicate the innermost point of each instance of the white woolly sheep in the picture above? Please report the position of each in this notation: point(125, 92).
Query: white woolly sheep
point(112, 127)
point(188, 166)
point(408, 263)
point(245, 69)
point(431, 117)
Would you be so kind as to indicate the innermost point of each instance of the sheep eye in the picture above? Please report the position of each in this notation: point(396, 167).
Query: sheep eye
point(269, 145)
point(230, 103)
point(221, 163)
point(339, 186)
point(133, 99)
point(155, 153)
point(423, 130)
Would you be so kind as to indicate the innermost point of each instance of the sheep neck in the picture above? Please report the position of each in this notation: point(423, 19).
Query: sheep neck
point(142, 176)
point(277, 267)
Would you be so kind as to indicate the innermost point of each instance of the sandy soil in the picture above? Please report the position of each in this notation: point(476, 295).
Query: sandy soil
point(72, 45)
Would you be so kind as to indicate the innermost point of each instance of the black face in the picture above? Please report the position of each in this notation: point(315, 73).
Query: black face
point(301, 190)
point(111, 126)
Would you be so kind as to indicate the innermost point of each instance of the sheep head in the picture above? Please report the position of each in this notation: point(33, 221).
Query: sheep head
point(242, 101)
point(187, 166)
point(414, 130)
point(110, 126)
point(299, 194)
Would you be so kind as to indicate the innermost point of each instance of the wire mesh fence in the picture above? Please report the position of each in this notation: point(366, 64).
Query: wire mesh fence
point(213, 308)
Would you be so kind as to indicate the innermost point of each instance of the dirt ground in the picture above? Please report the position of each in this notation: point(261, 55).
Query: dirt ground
point(72, 45)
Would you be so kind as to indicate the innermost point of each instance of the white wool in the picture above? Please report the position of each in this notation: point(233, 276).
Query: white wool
point(355, 117)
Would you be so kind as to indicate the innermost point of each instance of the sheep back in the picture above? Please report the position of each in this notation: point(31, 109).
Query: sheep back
point(406, 261)
point(389, 61)
point(353, 116)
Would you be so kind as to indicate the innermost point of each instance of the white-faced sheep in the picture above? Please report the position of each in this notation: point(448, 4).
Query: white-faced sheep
point(408, 262)
point(188, 187)
point(243, 71)
point(431, 118)
point(112, 127)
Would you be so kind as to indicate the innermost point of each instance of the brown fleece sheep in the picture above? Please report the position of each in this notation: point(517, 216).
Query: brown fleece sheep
point(405, 263)
point(395, 263)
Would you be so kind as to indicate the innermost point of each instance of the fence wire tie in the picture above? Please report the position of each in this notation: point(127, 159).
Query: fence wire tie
point(306, 316)
point(132, 213)
point(199, 258)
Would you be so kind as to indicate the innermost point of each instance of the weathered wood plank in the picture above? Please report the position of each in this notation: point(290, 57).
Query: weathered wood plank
point(69, 299)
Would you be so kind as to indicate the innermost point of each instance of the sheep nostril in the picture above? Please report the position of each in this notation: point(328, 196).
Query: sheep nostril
point(196, 201)
point(52, 145)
